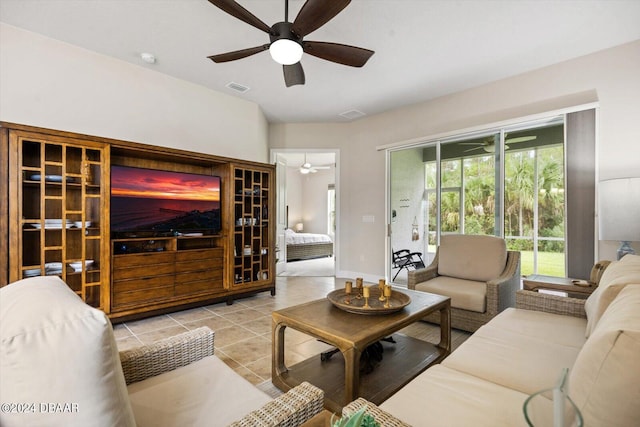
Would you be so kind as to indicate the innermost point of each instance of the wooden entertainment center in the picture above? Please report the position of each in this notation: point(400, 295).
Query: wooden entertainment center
point(57, 220)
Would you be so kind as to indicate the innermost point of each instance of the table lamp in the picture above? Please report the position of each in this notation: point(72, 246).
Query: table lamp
point(299, 227)
point(619, 212)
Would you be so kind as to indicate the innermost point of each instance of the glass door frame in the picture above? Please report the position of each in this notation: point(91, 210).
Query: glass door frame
point(498, 129)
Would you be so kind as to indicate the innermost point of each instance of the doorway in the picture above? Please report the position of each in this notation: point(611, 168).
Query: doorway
point(307, 211)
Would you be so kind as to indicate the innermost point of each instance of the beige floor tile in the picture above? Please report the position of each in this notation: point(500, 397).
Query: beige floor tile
point(249, 375)
point(187, 316)
point(261, 367)
point(222, 307)
point(215, 323)
point(121, 331)
point(243, 316)
point(232, 335)
point(248, 351)
point(261, 325)
point(159, 334)
point(151, 324)
point(128, 343)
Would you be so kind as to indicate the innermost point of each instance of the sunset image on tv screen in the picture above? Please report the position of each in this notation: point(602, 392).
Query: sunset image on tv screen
point(163, 201)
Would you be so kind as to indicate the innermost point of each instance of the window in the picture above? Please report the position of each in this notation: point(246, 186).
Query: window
point(466, 188)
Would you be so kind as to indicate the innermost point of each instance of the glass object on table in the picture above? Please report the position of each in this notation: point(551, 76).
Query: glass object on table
point(553, 407)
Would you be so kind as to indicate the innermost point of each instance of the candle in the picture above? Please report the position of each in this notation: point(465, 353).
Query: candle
point(365, 292)
point(348, 286)
point(381, 285)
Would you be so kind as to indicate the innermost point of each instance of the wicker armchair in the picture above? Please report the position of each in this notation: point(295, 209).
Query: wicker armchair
point(56, 348)
point(467, 250)
point(290, 409)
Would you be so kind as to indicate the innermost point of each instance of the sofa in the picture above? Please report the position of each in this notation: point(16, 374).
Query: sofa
point(486, 381)
point(478, 273)
point(60, 366)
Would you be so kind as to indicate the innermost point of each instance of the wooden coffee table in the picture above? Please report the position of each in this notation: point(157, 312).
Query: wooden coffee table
point(351, 333)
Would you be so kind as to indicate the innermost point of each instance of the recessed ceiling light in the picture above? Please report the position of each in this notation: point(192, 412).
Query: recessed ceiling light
point(149, 58)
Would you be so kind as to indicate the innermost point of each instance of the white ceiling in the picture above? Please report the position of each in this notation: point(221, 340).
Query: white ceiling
point(424, 49)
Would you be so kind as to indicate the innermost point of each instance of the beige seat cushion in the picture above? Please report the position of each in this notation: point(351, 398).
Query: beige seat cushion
point(443, 397)
point(479, 258)
point(511, 359)
point(464, 294)
point(555, 328)
point(203, 393)
point(57, 349)
point(618, 275)
point(605, 379)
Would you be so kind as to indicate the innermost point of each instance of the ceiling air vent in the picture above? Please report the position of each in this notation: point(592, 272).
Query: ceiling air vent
point(237, 87)
point(352, 114)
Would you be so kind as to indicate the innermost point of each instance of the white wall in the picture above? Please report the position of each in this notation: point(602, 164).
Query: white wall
point(307, 199)
point(294, 197)
point(47, 83)
point(609, 77)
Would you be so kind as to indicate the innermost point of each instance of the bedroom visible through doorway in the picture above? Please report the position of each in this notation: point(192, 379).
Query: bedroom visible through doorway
point(307, 212)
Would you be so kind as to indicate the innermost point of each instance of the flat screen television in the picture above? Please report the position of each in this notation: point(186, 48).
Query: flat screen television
point(150, 202)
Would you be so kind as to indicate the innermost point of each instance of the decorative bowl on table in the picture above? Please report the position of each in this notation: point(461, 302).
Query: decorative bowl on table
point(397, 301)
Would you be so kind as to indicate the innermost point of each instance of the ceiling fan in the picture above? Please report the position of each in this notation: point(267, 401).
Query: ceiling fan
point(308, 168)
point(488, 145)
point(287, 38)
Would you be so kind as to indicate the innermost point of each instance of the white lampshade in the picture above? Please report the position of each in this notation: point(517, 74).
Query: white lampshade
point(619, 210)
point(299, 227)
point(285, 52)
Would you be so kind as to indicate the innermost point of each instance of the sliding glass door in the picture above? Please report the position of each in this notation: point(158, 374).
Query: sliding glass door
point(462, 185)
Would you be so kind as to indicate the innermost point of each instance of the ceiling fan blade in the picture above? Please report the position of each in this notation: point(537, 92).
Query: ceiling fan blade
point(471, 143)
point(473, 149)
point(340, 53)
point(520, 139)
point(293, 75)
point(234, 9)
point(238, 54)
point(315, 13)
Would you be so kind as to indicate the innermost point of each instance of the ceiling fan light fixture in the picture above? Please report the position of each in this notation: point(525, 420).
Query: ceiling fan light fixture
point(304, 170)
point(285, 51)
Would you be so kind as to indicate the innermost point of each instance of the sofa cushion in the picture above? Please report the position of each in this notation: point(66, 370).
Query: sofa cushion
point(464, 294)
point(555, 328)
point(618, 275)
point(480, 258)
point(56, 349)
point(605, 379)
point(203, 393)
point(443, 397)
point(511, 359)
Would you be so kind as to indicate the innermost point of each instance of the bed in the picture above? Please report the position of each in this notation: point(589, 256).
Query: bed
point(307, 245)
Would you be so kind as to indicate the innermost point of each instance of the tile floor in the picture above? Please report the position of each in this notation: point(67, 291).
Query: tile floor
point(243, 329)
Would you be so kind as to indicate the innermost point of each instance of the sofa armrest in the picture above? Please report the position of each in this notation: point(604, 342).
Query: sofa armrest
point(166, 355)
point(290, 409)
point(383, 418)
point(501, 292)
point(530, 300)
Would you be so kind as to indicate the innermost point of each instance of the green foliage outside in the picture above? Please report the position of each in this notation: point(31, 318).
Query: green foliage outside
point(549, 263)
point(476, 177)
